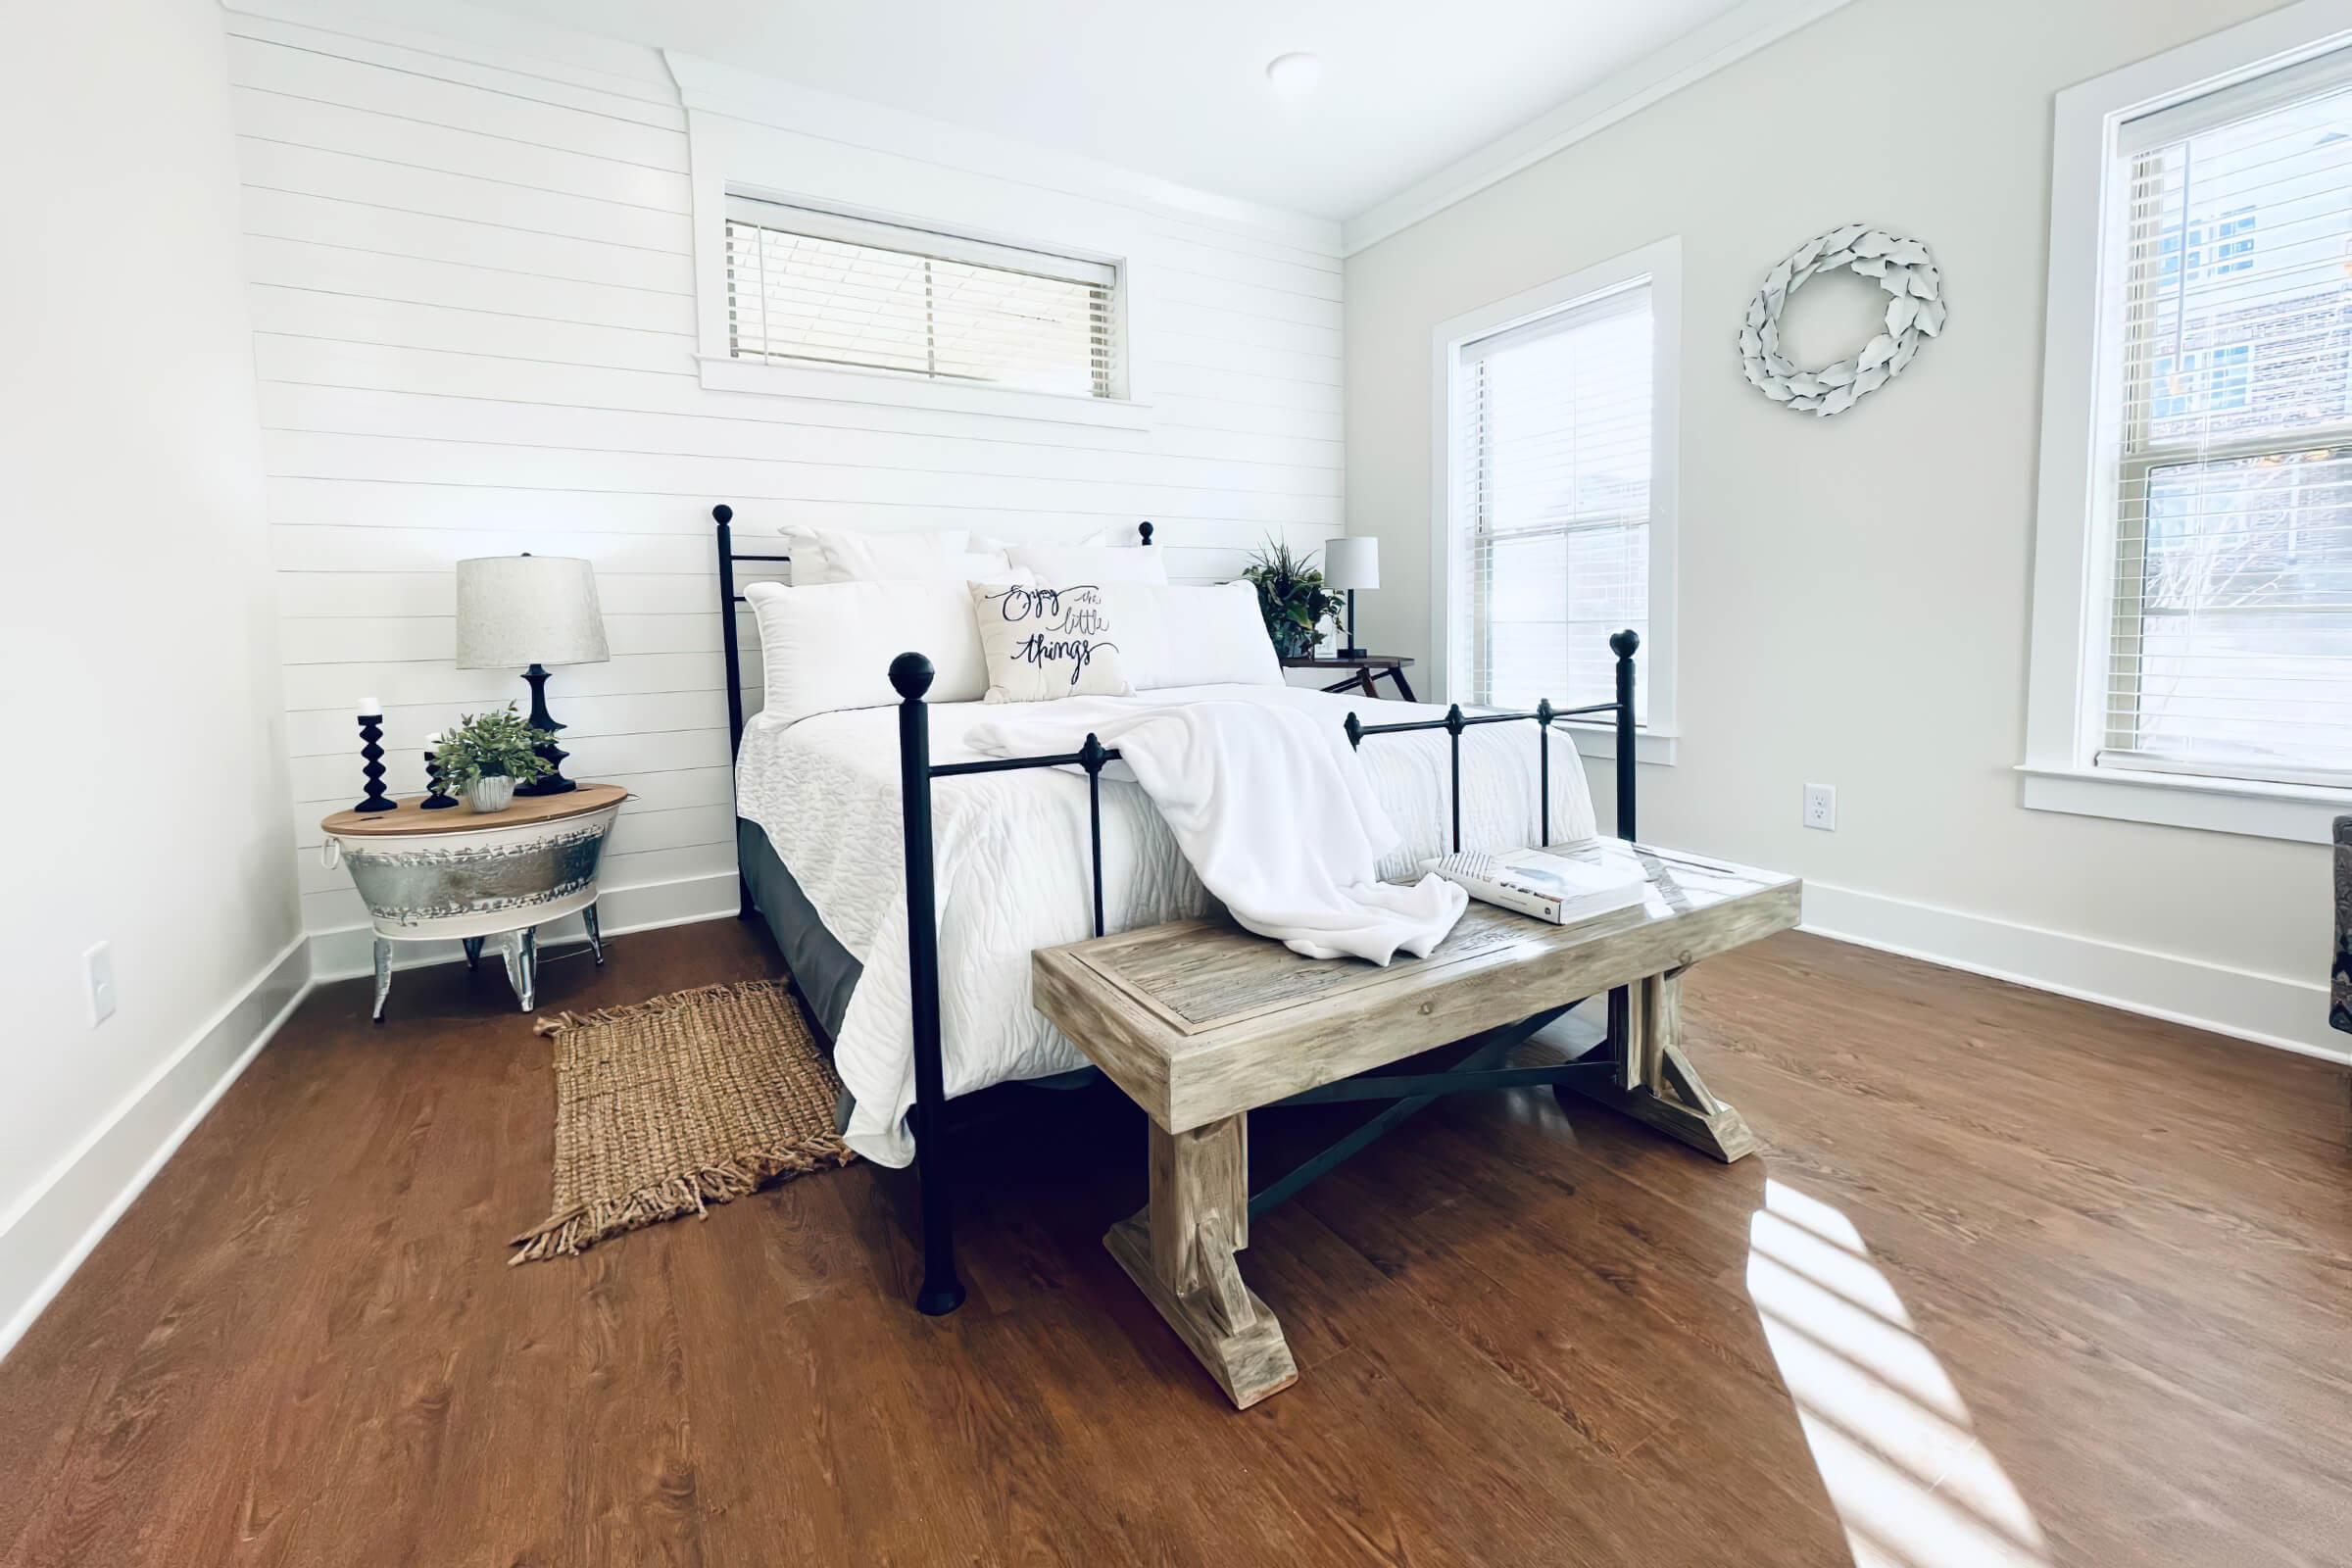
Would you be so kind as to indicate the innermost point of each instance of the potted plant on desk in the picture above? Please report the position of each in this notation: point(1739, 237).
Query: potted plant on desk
point(488, 754)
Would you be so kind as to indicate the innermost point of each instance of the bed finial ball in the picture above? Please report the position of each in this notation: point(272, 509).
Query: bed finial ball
point(909, 675)
point(1623, 643)
point(723, 512)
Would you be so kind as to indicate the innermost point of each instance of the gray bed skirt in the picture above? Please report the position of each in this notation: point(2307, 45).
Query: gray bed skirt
point(820, 966)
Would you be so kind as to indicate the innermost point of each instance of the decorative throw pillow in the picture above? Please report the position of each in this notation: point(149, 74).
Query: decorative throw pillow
point(1095, 564)
point(1044, 642)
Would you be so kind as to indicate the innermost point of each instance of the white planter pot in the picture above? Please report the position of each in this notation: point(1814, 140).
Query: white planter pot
point(490, 794)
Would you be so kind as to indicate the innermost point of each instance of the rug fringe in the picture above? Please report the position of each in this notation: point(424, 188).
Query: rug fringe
point(652, 1006)
point(574, 1230)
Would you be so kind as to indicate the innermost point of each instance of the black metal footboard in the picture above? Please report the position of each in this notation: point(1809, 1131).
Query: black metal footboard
point(911, 675)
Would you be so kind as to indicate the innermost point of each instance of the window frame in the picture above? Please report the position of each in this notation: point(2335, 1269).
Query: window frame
point(734, 158)
point(2084, 457)
point(1660, 263)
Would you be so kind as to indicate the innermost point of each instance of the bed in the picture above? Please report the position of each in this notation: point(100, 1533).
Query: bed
point(835, 807)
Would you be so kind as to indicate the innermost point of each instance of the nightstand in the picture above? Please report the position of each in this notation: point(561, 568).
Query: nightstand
point(455, 873)
point(1368, 668)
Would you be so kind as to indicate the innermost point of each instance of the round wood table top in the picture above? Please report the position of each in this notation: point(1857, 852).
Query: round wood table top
point(526, 811)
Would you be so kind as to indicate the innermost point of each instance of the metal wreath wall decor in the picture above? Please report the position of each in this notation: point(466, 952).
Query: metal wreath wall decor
point(1901, 266)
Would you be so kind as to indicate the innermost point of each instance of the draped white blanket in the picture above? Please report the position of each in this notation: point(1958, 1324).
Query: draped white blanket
point(1271, 808)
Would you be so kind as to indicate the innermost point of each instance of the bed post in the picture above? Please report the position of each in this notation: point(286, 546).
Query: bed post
point(942, 1292)
point(724, 515)
point(1144, 529)
point(1622, 645)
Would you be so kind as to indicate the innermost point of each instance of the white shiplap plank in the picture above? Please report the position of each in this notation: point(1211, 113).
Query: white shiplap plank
point(365, 594)
point(356, 226)
point(307, 308)
point(462, 285)
point(531, 122)
point(446, 193)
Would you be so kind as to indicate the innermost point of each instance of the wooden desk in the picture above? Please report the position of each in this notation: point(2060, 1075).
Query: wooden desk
point(1199, 1023)
point(1367, 668)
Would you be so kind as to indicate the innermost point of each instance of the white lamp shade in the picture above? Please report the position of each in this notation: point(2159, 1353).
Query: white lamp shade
point(515, 611)
point(1352, 563)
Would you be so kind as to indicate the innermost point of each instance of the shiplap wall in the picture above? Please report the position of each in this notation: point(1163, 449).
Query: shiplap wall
point(470, 269)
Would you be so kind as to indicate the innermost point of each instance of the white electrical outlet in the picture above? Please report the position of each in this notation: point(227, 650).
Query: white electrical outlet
point(98, 965)
point(1821, 806)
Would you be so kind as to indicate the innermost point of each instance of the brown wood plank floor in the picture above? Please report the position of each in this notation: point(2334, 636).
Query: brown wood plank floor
point(2017, 1280)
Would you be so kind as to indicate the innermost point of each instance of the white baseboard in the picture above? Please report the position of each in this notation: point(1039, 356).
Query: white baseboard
point(349, 951)
point(2272, 1009)
point(44, 1239)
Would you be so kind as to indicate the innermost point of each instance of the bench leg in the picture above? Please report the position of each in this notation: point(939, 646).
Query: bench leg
point(1659, 1086)
point(1179, 1251)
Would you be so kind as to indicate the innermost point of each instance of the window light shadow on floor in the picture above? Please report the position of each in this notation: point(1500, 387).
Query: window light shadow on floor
point(1890, 1435)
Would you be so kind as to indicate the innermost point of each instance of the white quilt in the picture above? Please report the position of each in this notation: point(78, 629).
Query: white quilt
point(1011, 851)
point(1272, 810)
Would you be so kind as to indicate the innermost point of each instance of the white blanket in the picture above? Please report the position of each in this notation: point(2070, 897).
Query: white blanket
point(1272, 810)
point(1010, 850)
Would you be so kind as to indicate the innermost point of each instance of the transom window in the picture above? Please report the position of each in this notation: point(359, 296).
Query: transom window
point(2229, 583)
point(813, 287)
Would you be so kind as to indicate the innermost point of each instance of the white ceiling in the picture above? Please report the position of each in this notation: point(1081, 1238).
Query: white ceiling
point(1177, 87)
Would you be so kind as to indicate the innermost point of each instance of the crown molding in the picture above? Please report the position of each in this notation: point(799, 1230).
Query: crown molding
point(1692, 58)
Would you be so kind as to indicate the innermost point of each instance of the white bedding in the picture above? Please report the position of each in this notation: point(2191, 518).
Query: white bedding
point(1012, 860)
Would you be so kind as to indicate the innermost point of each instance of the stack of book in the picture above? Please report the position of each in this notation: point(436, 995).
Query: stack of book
point(1566, 884)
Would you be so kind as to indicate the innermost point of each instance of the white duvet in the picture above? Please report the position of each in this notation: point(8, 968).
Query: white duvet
point(1011, 857)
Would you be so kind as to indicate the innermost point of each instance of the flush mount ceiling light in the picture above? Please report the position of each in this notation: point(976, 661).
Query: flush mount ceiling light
point(1294, 76)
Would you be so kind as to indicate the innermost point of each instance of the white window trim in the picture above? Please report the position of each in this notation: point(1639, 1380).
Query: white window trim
point(2079, 387)
point(728, 159)
point(1662, 264)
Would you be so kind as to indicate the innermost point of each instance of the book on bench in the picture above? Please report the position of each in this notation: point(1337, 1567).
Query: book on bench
point(1565, 889)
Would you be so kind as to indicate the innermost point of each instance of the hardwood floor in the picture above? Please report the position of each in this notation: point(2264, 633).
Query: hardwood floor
point(2017, 1280)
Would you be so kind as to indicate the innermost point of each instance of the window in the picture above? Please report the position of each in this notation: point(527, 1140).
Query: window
point(816, 288)
point(2192, 654)
point(1557, 421)
point(2229, 633)
point(1559, 440)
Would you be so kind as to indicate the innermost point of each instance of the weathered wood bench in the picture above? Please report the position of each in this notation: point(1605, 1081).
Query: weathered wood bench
point(1200, 1023)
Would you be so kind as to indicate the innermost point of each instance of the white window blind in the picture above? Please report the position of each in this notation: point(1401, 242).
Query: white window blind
point(813, 287)
point(2230, 636)
point(1555, 426)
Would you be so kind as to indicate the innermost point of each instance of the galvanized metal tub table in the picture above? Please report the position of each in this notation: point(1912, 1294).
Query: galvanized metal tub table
point(1199, 1023)
point(455, 874)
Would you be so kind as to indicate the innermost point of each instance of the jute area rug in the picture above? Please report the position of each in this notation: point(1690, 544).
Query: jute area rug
point(674, 1104)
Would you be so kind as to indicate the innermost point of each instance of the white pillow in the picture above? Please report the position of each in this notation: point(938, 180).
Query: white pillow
point(1090, 563)
point(1179, 636)
point(1043, 642)
point(845, 555)
point(829, 647)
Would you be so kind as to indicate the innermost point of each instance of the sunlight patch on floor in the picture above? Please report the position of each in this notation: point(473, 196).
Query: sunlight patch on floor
point(1890, 1433)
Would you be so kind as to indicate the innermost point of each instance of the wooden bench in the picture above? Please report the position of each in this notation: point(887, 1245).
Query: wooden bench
point(1199, 1022)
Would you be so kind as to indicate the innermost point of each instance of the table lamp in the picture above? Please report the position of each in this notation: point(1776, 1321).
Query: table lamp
point(530, 610)
point(1351, 563)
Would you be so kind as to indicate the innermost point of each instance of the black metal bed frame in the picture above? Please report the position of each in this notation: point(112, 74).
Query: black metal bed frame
point(910, 676)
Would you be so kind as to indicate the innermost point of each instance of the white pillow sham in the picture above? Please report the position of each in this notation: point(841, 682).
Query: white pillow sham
point(829, 646)
point(1172, 635)
point(1095, 564)
point(822, 555)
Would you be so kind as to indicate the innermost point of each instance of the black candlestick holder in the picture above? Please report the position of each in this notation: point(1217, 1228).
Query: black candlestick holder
point(435, 799)
point(371, 732)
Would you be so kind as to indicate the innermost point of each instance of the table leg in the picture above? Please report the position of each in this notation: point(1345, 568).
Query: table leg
point(521, 949)
point(473, 952)
point(596, 938)
point(1405, 687)
point(1660, 1085)
point(1179, 1251)
point(1363, 678)
point(384, 976)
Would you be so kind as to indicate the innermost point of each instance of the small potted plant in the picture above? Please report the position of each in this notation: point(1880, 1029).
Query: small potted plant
point(1290, 595)
point(486, 754)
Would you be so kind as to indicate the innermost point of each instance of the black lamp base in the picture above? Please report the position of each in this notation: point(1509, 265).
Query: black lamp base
point(553, 782)
point(1352, 653)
